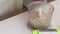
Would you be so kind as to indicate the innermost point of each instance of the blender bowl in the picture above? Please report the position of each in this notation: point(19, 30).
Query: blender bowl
point(40, 14)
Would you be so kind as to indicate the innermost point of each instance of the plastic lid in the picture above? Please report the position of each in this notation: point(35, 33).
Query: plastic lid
point(35, 4)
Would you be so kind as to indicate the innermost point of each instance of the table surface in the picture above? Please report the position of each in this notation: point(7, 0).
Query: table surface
point(18, 24)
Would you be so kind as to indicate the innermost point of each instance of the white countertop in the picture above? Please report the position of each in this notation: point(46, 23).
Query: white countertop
point(15, 25)
point(18, 24)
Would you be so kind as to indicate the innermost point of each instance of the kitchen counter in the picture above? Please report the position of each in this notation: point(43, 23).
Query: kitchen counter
point(18, 25)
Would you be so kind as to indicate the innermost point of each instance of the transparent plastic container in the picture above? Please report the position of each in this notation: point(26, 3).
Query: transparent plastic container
point(40, 14)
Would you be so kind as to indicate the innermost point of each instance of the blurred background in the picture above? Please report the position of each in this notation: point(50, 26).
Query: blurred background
point(9, 8)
